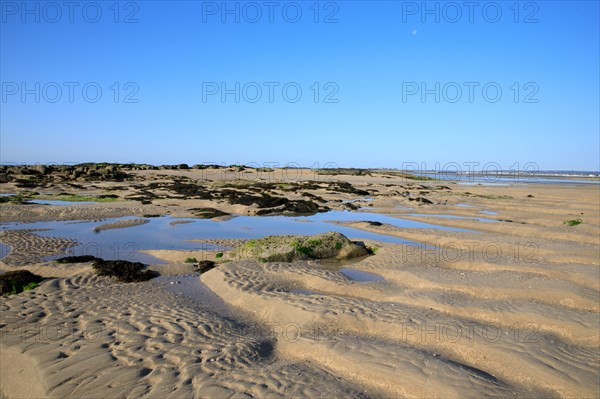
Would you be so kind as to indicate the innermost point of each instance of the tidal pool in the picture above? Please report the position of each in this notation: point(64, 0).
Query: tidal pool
point(360, 276)
point(161, 233)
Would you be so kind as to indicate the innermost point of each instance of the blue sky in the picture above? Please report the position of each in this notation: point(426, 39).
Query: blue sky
point(170, 61)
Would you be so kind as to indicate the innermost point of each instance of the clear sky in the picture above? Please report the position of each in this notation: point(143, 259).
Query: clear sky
point(383, 83)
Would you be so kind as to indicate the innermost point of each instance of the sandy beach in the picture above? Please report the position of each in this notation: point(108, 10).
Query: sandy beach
point(489, 293)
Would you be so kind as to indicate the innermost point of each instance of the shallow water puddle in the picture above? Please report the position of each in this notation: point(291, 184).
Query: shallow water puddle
point(4, 250)
point(163, 233)
point(123, 243)
point(346, 216)
point(360, 276)
point(489, 212)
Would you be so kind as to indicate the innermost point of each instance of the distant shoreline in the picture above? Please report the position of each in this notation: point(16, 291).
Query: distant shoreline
point(273, 165)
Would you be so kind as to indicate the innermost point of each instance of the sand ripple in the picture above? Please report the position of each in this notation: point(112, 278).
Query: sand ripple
point(94, 338)
point(28, 247)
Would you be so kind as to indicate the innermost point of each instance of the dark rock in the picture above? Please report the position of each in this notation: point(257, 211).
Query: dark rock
point(77, 259)
point(374, 223)
point(205, 265)
point(124, 271)
point(294, 207)
point(423, 200)
point(207, 213)
point(345, 187)
point(314, 197)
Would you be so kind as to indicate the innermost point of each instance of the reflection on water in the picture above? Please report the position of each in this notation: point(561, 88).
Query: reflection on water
point(161, 233)
point(360, 276)
point(4, 250)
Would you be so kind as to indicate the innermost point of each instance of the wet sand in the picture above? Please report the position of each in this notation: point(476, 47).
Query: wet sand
point(508, 308)
point(121, 224)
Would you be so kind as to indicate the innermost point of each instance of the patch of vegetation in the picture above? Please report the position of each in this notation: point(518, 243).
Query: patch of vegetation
point(124, 271)
point(219, 255)
point(30, 286)
point(301, 249)
point(308, 247)
point(77, 259)
point(344, 171)
point(251, 243)
point(191, 260)
point(573, 222)
point(419, 178)
point(17, 281)
point(13, 199)
point(151, 215)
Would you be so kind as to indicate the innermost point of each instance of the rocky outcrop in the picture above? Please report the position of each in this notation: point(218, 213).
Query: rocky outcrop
point(288, 248)
point(39, 175)
point(124, 271)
